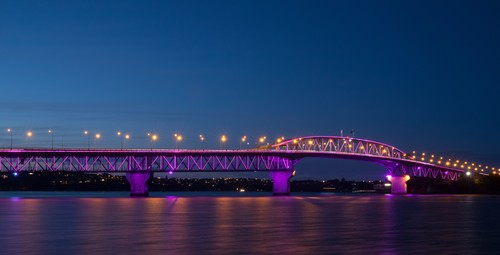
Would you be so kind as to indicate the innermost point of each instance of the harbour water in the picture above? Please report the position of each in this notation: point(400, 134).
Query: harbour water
point(247, 223)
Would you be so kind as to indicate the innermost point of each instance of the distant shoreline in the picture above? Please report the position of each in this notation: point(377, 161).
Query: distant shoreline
point(78, 181)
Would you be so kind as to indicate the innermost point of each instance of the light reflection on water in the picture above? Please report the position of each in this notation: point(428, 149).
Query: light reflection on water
point(334, 224)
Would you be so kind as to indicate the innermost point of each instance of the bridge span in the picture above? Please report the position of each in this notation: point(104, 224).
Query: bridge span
point(278, 159)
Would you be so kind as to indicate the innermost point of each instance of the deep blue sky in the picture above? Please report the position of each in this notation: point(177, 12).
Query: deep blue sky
point(420, 75)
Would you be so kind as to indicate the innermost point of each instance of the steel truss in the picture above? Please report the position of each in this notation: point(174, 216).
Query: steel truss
point(340, 145)
point(436, 173)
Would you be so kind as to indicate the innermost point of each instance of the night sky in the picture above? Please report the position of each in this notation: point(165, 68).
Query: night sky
point(419, 75)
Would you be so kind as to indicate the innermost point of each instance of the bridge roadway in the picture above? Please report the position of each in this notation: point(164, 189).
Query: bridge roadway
point(278, 159)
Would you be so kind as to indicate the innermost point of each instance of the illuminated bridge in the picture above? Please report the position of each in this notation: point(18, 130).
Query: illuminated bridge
point(278, 159)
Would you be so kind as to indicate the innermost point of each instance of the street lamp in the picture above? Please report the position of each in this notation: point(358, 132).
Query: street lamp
point(97, 137)
point(202, 138)
point(127, 137)
point(121, 139)
point(88, 139)
point(280, 139)
point(243, 140)
point(262, 139)
point(178, 139)
point(10, 132)
point(29, 134)
point(223, 139)
point(153, 139)
point(52, 136)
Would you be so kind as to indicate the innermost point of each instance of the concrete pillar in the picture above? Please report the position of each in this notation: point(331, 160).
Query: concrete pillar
point(398, 176)
point(398, 184)
point(281, 182)
point(139, 183)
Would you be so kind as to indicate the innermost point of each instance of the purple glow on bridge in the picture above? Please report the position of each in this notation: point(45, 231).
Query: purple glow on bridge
point(278, 159)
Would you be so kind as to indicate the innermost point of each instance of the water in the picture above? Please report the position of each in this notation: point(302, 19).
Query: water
point(247, 223)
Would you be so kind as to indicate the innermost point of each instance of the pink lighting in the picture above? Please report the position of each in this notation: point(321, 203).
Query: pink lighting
point(398, 184)
point(279, 159)
point(139, 183)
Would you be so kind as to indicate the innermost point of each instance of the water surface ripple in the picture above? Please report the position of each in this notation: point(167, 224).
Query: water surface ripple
point(112, 223)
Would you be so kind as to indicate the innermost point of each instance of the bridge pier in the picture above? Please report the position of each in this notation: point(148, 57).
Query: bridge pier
point(281, 182)
point(398, 184)
point(139, 183)
point(398, 176)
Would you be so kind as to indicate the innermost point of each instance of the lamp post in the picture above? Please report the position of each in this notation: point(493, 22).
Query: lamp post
point(262, 140)
point(223, 139)
point(10, 132)
point(97, 137)
point(243, 140)
point(52, 138)
point(29, 134)
point(127, 137)
point(121, 139)
point(178, 139)
point(153, 140)
point(202, 138)
point(280, 139)
point(88, 139)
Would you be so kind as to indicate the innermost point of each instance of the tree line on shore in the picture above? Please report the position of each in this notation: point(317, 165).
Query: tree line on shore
point(79, 181)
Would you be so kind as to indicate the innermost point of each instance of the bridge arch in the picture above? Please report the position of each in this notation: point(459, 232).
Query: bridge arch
point(399, 165)
point(340, 145)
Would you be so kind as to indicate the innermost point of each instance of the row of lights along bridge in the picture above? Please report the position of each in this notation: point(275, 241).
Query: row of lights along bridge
point(151, 137)
point(260, 141)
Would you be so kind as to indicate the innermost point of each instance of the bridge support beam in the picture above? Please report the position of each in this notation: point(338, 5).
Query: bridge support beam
point(139, 183)
point(281, 182)
point(398, 184)
point(398, 176)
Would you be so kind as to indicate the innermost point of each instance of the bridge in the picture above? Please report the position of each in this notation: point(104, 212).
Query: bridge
point(278, 159)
